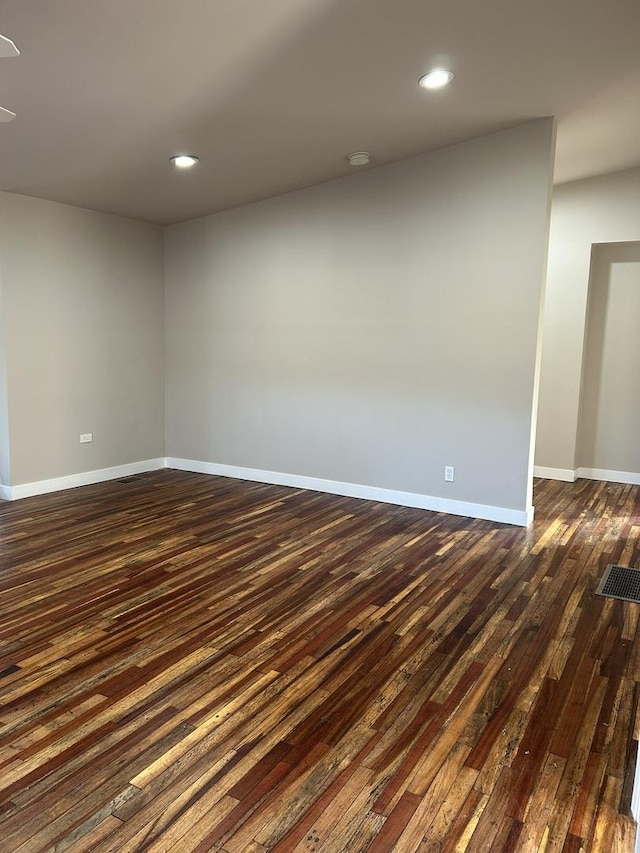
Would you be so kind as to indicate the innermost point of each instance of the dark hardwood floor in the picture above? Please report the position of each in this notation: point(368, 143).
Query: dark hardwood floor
point(192, 663)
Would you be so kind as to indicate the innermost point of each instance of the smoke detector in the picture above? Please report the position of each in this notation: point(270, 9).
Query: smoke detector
point(359, 158)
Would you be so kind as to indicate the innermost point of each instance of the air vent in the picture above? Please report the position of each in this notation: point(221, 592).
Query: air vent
point(134, 478)
point(620, 582)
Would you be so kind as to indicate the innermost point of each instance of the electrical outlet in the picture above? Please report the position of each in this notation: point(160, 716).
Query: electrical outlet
point(449, 473)
point(86, 437)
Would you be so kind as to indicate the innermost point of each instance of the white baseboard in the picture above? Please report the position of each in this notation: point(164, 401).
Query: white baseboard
point(521, 518)
point(86, 478)
point(628, 477)
point(603, 474)
point(565, 474)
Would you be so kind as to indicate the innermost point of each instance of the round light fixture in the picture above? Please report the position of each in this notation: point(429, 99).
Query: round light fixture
point(436, 79)
point(359, 158)
point(184, 161)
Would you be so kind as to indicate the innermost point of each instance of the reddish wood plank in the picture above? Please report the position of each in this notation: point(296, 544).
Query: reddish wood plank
point(270, 666)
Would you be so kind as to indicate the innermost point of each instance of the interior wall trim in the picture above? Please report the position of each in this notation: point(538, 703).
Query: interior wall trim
point(86, 478)
point(605, 475)
point(630, 477)
point(565, 474)
point(505, 515)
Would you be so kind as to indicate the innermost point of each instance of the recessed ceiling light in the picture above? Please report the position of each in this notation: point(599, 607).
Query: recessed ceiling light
point(436, 79)
point(359, 158)
point(7, 48)
point(6, 115)
point(184, 161)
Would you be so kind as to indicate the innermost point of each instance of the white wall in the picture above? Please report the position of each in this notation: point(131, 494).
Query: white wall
point(608, 436)
point(599, 210)
point(370, 330)
point(83, 338)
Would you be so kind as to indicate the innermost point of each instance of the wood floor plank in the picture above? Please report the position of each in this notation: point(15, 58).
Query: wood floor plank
point(194, 663)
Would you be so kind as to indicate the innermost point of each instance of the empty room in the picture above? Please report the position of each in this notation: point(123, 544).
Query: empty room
point(319, 468)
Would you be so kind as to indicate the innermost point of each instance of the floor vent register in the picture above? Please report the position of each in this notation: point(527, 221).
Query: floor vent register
point(620, 582)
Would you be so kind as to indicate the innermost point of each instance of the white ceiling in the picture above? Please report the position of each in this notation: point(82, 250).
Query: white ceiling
point(273, 94)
